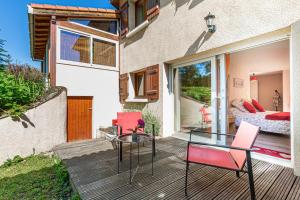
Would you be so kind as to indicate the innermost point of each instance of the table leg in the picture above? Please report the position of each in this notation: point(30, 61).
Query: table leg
point(130, 163)
point(118, 152)
point(138, 153)
point(121, 151)
point(152, 158)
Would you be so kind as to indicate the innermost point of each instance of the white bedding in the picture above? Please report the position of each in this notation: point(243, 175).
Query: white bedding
point(258, 119)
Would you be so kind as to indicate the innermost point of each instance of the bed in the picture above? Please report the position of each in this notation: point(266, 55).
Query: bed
point(258, 119)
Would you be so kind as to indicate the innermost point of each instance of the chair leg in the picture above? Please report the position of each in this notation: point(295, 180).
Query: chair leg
point(187, 168)
point(250, 176)
point(186, 177)
point(237, 174)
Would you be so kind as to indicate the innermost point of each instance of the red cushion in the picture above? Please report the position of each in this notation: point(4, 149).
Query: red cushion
point(279, 116)
point(212, 157)
point(258, 106)
point(128, 121)
point(249, 107)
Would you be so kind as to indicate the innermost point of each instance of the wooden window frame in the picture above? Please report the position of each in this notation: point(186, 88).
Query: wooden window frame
point(95, 19)
point(144, 3)
point(91, 37)
point(124, 18)
point(136, 88)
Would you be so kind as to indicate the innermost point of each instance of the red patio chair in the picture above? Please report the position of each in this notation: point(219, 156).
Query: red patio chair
point(234, 159)
point(205, 115)
point(127, 122)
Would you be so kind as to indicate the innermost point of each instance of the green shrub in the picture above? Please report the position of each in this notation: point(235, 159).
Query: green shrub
point(202, 94)
point(19, 87)
point(150, 119)
point(36, 177)
point(15, 160)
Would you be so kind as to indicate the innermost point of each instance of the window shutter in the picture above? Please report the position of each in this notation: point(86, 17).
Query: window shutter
point(124, 19)
point(123, 87)
point(152, 83)
point(152, 8)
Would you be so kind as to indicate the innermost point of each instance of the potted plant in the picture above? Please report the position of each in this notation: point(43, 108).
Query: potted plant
point(141, 124)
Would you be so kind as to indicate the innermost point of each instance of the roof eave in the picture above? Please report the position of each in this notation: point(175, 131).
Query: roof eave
point(115, 3)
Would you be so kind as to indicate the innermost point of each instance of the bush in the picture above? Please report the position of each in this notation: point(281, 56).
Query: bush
point(15, 160)
point(202, 94)
point(35, 177)
point(150, 119)
point(19, 87)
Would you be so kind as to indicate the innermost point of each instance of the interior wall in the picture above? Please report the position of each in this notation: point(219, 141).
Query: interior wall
point(267, 84)
point(261, 60)
point(286, 97)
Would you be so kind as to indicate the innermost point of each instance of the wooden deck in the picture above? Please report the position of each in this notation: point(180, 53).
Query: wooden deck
point(93, 170)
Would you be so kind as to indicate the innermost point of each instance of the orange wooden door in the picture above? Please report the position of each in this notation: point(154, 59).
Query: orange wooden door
point(79, 118)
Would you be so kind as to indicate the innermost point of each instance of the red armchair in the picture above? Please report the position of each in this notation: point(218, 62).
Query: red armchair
point(234, 159)
point(126, 122)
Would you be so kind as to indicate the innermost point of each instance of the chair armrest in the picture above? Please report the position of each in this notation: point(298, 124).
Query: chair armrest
point(228, 135)
point(217, 145)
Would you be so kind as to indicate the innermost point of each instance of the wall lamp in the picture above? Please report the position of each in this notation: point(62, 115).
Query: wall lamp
point(210, 23)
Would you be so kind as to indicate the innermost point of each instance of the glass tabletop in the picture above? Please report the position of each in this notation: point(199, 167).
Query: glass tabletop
point(141, 137)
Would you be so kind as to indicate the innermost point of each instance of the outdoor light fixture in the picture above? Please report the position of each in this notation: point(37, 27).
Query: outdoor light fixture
point(210, 22)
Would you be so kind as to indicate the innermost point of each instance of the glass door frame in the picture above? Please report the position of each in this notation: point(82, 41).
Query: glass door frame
point(215, 97)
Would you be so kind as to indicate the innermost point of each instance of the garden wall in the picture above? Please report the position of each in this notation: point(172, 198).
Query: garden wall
point(38, 130)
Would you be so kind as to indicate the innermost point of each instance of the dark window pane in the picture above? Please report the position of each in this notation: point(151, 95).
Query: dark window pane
point(139, 12)
point(104, 53)
point(107, 26)
point(140, 84)
point(152, 3)
point(74, 47)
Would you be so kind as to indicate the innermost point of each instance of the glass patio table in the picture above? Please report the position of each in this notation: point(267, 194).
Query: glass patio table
point(128, 139)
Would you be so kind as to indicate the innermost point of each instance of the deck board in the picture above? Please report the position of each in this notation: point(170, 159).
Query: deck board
point(93, 170)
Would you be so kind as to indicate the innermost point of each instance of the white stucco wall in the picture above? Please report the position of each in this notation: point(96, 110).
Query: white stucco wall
point(43, 128)
point(180, 32)
point(295, 97)
point(102, 84)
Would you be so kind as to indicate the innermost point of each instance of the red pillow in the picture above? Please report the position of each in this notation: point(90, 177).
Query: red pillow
point(249, 107)
point(258, 106)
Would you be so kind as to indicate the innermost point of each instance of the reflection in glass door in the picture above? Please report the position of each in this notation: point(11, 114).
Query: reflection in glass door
point(198, 98)
point(195, 97)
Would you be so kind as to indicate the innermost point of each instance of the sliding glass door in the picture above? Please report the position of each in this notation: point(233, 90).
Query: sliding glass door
point(198, 93)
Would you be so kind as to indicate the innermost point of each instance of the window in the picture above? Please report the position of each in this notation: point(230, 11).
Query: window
point(140, 84)
point(104, 53)
point(140, 15)
point(107, 26)
point(152, 3)
point(74, 47)
point(88, 49)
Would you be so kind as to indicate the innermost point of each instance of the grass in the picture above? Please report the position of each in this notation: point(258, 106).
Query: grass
point(202, 94)
point(35, 177)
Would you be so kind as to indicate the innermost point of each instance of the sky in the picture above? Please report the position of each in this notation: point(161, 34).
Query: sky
point(14, 24)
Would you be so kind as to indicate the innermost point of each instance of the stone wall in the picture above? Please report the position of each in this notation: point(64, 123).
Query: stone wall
point(38, 130)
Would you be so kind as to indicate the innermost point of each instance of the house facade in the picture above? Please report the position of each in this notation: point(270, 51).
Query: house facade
point(155, 40)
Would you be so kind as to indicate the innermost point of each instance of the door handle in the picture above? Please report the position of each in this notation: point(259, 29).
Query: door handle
point(90, 108)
